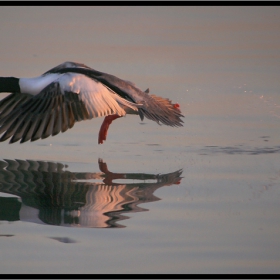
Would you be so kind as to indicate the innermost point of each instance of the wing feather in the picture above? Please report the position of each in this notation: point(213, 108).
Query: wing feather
point(49, 127)
point(8, 103)
point(40, 127)
point(64, 116)
point(57, 117)
point(69, 99)
point(71, 118)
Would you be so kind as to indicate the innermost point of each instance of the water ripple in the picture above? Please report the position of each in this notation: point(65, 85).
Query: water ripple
point(239, 150)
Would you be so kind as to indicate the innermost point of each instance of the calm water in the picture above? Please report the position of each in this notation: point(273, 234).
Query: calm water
point(199, 199)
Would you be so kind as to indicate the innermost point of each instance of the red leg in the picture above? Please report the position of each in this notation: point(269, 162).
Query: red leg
point(109, 176)
point(105, 126)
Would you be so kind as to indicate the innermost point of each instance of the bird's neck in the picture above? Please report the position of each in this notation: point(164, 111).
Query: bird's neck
point(9, 84)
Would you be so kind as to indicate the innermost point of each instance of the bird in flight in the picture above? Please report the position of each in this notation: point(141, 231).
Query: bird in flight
point(71, 92)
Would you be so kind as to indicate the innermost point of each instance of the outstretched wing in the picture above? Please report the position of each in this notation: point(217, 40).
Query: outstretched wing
point(158, 109)
point(71, 98)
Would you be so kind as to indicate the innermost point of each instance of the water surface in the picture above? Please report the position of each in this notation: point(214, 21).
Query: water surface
point(203, 198)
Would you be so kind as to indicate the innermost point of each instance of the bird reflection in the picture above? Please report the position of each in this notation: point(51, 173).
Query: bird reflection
point(52, 195)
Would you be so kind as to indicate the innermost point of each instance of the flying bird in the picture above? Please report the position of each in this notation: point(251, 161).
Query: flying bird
point(71, 92)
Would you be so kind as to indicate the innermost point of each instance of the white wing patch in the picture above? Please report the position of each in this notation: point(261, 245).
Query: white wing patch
point(98, 99)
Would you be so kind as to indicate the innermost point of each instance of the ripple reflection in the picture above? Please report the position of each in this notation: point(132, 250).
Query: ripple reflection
point(51, 195)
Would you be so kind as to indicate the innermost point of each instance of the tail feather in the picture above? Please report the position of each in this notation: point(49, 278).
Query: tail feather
point(162, 111)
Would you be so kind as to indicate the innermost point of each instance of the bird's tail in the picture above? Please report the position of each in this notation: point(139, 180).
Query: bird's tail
point(161, 110)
